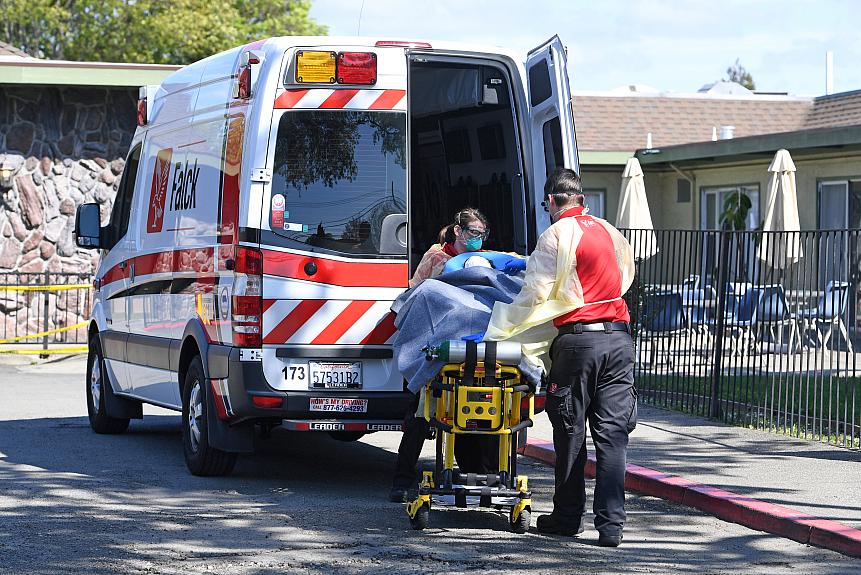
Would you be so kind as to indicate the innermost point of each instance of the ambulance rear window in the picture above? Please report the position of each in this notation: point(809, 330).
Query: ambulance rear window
point(337, 175)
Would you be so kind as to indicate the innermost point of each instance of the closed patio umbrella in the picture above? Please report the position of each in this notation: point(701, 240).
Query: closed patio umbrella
point(781, 215)
point(634, 212)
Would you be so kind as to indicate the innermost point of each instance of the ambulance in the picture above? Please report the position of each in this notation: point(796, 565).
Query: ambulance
point(275, 201)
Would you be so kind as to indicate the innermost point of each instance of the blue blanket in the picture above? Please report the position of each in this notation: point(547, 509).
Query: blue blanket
point(450, 306)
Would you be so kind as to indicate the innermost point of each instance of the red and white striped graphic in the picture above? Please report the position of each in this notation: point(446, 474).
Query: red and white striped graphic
point(343, 99)
point(327, 322)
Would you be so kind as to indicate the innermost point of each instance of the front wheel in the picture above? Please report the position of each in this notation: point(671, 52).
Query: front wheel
point(97, 388)
point(420, 521)
point(200, 457)
point(521, 524)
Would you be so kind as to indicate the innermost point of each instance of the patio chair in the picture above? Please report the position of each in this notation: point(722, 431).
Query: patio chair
point(829, 314)
point(663, 318)
point(740, 319)
point(773, 314)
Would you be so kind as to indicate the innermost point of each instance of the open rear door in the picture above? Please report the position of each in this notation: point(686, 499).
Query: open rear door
point(551, 120)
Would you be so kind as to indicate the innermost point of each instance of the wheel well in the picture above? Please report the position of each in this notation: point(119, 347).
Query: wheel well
point(188, 352)
point(92, 332)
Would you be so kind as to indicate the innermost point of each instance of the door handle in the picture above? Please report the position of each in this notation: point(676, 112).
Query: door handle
point(132, 274)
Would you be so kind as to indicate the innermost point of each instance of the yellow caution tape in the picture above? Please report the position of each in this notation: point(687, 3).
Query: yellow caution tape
point(65, 350)
point(44, 333)
point(45, 288)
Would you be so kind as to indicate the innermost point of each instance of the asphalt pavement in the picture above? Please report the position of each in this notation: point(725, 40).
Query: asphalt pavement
point(74, 501)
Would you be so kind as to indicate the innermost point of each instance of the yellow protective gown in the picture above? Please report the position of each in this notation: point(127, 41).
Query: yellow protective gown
point(552, 288)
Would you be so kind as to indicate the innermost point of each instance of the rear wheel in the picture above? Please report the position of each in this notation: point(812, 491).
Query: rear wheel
point(97, 387)
point(200, 457)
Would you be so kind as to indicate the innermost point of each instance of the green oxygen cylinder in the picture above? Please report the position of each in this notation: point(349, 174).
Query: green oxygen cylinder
point(454, 351)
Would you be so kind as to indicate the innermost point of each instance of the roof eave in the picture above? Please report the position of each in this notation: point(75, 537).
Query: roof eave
point(725, 151)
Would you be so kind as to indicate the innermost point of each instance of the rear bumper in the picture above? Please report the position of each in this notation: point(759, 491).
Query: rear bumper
point(245, 379)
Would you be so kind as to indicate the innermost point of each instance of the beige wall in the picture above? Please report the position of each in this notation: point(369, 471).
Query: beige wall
point(668, 213)
point(608, 179)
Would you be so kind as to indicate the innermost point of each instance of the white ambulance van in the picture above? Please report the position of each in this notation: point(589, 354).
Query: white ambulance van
point(274, 203)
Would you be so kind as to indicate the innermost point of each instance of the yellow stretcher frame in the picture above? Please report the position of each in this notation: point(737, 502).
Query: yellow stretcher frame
point(453, 410)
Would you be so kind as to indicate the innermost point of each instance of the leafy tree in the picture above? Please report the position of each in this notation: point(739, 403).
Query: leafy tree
point(738, 74)
point(154, 31)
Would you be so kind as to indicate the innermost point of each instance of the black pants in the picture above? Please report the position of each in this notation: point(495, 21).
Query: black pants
point(592, 377)
point(474, 453)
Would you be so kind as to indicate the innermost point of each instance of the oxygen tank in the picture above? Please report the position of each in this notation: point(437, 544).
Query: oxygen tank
point(454, 351)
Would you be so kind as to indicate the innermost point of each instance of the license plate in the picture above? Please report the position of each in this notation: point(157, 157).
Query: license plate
point(331, 375)
point(339, 405)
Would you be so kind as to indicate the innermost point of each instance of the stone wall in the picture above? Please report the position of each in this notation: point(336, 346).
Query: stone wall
point(65, 146)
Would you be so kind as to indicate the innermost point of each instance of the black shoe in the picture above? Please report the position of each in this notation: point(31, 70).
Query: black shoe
point(551, 525)
point(609, 540)
point(398, 495)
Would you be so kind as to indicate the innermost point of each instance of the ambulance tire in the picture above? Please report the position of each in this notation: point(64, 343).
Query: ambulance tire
point(200, 458)
point(98, 386)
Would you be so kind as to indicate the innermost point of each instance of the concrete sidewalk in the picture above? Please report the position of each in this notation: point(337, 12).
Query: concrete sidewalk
point(804, 476)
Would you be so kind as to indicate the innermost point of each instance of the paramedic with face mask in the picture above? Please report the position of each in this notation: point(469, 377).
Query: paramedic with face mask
point(576, 276)
point(474, 454)
point(466, 234)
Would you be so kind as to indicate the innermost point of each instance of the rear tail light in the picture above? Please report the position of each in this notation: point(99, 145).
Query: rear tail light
point(247, 313)
point(357, 68)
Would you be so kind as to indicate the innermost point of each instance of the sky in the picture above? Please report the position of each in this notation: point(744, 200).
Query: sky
point(670, 45)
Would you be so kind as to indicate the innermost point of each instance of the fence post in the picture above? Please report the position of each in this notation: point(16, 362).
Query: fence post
point(46, 309)
point(720, 310)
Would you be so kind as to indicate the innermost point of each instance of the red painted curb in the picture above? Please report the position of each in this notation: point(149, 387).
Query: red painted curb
point(724, 504)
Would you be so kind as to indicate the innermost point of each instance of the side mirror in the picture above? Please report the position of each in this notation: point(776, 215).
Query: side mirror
point(393, 234)
point(87, 226)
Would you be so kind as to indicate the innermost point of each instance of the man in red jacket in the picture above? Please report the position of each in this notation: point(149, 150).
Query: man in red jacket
point(581, 267)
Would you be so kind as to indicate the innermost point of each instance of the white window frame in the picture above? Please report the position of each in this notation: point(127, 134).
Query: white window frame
point(719, 193)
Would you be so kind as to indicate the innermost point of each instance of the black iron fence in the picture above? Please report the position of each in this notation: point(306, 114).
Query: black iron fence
point(46, 311)
point(754, 328)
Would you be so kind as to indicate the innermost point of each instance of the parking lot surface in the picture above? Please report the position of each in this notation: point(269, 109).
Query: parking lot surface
point(74, 501)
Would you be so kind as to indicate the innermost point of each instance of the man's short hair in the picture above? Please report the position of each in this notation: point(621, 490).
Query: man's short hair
point(565, 187)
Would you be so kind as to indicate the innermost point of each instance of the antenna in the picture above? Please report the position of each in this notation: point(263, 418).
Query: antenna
point(359, 25)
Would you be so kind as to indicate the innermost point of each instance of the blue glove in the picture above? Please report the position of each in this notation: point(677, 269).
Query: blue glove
point(514, 265)
point(476, 337)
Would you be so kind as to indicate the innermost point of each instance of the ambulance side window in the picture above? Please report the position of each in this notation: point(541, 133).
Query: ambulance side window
point(553, 154)
point(539, 83)
point(123, 202)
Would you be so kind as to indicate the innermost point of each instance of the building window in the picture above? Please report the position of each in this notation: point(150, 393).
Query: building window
point(714, 199)
point(839, 204)
point(595, 201)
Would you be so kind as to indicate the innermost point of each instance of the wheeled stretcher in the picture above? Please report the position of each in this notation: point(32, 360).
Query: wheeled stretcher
point(483, 394)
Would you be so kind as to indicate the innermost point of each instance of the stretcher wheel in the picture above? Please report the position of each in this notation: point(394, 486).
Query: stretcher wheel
point(522, 524)
point(420, 521)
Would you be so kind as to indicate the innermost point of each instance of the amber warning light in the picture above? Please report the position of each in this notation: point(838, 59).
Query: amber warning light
point(316, 67)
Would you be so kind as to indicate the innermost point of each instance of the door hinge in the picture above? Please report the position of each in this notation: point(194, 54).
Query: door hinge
point(261, 175)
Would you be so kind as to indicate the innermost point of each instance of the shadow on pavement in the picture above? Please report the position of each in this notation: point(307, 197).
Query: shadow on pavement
point(74, 501)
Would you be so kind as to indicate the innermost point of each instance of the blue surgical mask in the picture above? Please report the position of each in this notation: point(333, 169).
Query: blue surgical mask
point(473, 244)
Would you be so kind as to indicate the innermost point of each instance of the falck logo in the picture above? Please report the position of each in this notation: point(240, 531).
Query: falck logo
point(158, 192)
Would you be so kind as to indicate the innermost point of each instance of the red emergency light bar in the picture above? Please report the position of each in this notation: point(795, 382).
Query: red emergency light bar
point(357, 68)
point(402, 44)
